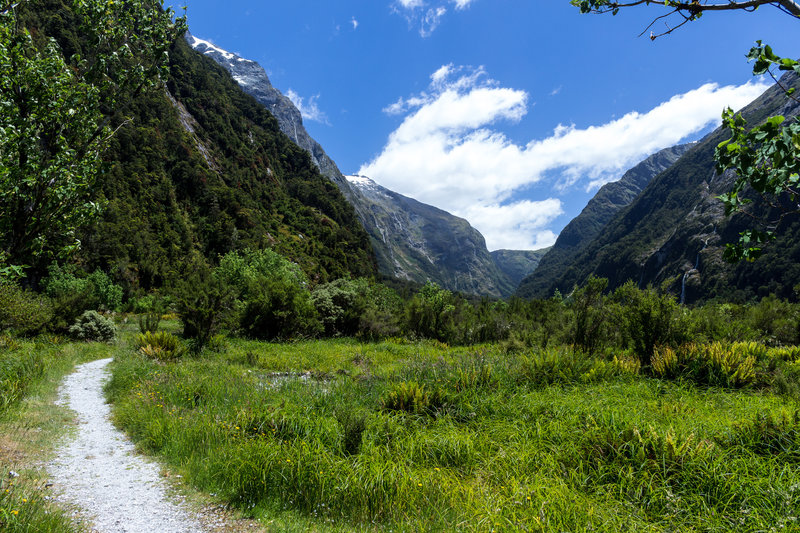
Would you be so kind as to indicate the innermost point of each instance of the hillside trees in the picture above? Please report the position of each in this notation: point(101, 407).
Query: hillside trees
point(765, 158)
point(56, 114)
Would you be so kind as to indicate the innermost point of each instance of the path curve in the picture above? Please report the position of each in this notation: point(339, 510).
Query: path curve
point(118, 490)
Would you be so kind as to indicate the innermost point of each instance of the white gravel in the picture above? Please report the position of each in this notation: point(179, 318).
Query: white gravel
point(116, 489)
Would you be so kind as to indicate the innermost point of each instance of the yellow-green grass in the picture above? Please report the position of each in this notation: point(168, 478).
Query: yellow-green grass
point(304, 436)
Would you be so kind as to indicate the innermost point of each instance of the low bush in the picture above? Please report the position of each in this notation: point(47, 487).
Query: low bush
point(411, 397)
point(715, 364)
point(160, 345)
point(92, 326)
point(23, 312)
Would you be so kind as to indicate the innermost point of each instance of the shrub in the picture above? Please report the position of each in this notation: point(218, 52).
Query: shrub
point(431, 314)
point(23, 312)
point(716, 364)
point(160, 345)
point(279, 309)
point(648, 319)
point(204, 304)
point(588, 315)
point(411, 397)
point(92, 326)
point(72, 295)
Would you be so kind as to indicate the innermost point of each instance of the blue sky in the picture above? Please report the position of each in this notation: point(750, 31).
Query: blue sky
point(509, 113)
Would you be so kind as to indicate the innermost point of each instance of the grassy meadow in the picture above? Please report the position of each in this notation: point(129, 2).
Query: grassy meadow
point(338, 435)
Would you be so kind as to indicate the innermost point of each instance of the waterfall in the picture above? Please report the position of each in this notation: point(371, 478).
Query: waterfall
point(696, 267)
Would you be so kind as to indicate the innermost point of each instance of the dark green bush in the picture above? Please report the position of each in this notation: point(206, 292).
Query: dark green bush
point(72, 294)
point(92, 326)
point(23, 312)
point(648, 319)
point(204, 304)
point(279, 308)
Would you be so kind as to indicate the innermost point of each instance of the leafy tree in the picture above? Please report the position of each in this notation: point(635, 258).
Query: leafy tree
point(589, 316)
point(766, 158)
point(55, 115)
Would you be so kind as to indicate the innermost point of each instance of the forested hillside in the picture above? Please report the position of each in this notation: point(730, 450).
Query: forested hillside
point(609, 200)
point(674, 232)
point(200, 169)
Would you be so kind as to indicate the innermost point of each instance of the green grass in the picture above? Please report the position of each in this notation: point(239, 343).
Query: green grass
point(31, 425)
point(308, 436)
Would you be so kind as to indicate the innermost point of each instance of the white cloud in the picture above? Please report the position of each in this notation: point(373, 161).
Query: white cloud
point(449, 150)
point(309, 109)
point(354, 22)
point(426, 15)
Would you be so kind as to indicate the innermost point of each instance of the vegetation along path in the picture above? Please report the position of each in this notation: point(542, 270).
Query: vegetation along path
point(98, 471)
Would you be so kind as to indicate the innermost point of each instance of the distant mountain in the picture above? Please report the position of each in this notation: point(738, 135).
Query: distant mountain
point(589, 223)
point(419, 242)
point(411, 240)
point(518, 264)
point(673, 234)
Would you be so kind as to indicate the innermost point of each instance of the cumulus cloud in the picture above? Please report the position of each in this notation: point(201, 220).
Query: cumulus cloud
point(309, 109)
point(426, 15)
point(354, 22)
point(449, 150)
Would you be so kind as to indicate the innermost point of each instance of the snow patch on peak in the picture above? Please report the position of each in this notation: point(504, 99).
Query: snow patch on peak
point(197, 43)
point(361, 181)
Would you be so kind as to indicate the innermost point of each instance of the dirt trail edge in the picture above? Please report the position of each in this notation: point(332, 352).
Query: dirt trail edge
point(98, 471)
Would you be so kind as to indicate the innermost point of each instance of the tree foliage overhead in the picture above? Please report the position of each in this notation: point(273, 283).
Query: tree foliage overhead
point(56, 105)
point(765, 158)
point(684, 11)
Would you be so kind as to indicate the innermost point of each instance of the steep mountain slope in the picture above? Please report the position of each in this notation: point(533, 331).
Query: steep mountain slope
point(673, 233)
point(609, 200)
point(201, 169)
point(253, 80)
point(518, 264)
point(423, 243)
point(415, 245)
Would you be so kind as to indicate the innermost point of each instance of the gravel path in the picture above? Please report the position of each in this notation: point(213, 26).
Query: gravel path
point(99, 472)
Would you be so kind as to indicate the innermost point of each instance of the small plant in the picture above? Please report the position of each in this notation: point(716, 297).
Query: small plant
point(352, 423)
point(92, 326)
point(160, 345)
point(411, 397)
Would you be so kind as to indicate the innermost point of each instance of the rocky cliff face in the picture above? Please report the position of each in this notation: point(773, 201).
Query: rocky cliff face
point(419, 242)
point(609, 200)
point(673, 234)
point(518, 264)
point(411, 240)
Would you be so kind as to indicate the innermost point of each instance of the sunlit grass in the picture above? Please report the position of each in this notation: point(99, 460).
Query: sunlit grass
point(31, 425)
point(304, 435)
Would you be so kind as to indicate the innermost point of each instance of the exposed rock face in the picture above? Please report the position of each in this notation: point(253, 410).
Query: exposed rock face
point(419, 242)
point(412, 241)
point(674, 232)
point(609, 200)
point(518, 264)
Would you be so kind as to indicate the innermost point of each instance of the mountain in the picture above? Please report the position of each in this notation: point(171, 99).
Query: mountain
point(674, 232)
point(411, 240)
point(422, 243)
point(253, 80)
point(518, 264)
point(609, 200)
point(197, 169)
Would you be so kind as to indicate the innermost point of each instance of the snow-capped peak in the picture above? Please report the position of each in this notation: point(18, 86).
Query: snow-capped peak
point(197, 42)
point(363, 182)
